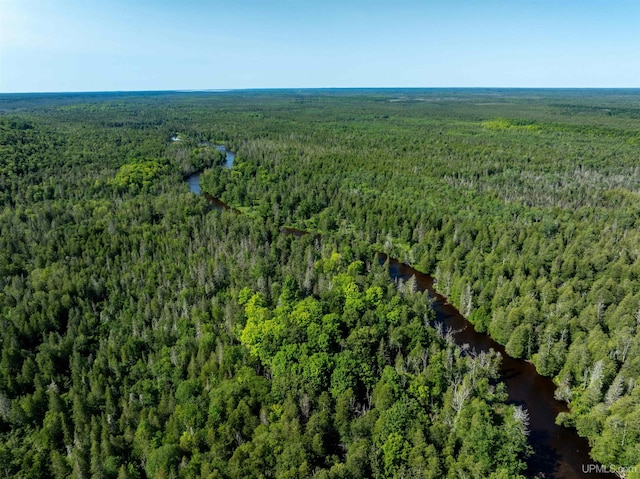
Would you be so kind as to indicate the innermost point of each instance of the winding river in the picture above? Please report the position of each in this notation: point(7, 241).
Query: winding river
point(194, 180)
point(559, 453)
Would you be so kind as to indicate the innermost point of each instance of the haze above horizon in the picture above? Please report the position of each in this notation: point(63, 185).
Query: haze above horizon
point(75, 46)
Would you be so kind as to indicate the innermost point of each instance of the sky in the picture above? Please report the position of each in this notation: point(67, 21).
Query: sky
point(118, 45)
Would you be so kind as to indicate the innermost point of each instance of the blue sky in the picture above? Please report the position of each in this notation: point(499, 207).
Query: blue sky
point(86, 45)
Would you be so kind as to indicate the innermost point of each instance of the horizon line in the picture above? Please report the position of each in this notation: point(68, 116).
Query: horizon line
point(232, 90)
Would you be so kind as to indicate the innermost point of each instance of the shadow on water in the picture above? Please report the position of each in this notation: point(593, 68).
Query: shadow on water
point(559, 452)
point(194, 186)
point(297, 232)
point(194, 180)
point(219, 204)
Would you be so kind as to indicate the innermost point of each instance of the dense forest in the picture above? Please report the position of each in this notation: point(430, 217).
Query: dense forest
point(145, 333)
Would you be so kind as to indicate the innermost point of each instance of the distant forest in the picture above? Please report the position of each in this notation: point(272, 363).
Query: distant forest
point(145, 333)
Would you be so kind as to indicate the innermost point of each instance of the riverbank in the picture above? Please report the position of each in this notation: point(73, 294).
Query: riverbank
point(559, 452)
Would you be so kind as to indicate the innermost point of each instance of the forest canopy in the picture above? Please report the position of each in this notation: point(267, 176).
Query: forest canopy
point(144, 333)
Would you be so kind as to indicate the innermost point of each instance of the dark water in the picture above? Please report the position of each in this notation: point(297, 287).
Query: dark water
point(297, 232)
point(558, 451)
point(217, 204)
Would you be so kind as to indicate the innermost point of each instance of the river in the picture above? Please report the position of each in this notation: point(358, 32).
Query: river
point(194, 180)
point(559, 453)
